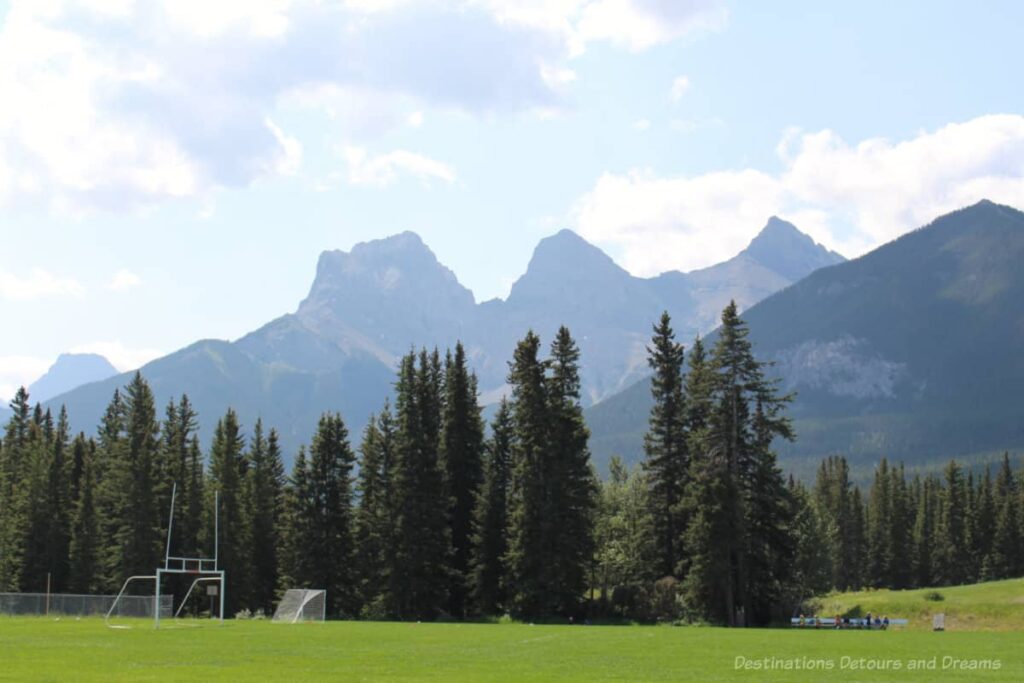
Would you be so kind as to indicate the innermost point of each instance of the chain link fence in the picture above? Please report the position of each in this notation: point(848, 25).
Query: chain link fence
point(39, 604)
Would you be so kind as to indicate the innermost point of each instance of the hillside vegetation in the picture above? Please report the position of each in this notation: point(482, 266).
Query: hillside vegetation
point(990, 606)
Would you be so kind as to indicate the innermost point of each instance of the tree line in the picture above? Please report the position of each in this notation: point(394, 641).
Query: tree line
point(434, 516)
point(429, 518)
point(707, 528)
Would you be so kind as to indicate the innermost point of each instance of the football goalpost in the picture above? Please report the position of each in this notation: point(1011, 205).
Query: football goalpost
point(205, 570)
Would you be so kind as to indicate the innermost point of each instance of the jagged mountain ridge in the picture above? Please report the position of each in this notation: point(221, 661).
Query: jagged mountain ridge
point(914, 351)
point(369, 306)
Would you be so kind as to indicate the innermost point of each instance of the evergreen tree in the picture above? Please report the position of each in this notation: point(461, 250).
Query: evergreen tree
point(771, 541)
point(176, 474)
point(665, 446)
point(190, 539)
point(227, 523)
point(374, 518)
point(529, 560)
point(13, 466)
point(951, 541)
point(419, 576)
point(812, 564)
point(746, 531)
point(265, 501)
point(571, 485)
point(1005, 558)
point(110, 502)
point(37, 507)
point(329, 545)
point(698, 392)
point(293, 564)
point(901, 516)
point(858, 536)
point(879, 530)
point(490, 539)
point(625, 550)
point(128, 470)
point(983, 525)
point(84, 553)
point(462, 437)
point(924, 532)
point(833, 499)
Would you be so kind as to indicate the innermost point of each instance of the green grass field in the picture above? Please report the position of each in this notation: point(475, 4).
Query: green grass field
point(41, 649)
point(992, 606)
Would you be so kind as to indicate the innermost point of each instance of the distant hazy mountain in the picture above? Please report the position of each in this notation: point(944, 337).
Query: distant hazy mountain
point(71, 370)
point(369, 306)
point(914, 351)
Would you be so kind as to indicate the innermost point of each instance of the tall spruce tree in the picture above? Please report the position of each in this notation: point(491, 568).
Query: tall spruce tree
point(983, 524)
point(666, 449)
point(924, 532)
point(327, 508)
point(571, 486)
point(127, 467)
point(225, 505)
point(461, 452)
point(84, 552)
point(1006, 557)
point(293, 563)
point(264, 490)
point(880, 557)
point(37, 506)
point(490, 539)
point(900, 529)
point(951, 540)
point(528, 561)
point(419, 576)
point(374, 517)
point(745, 530)
point(13, 466)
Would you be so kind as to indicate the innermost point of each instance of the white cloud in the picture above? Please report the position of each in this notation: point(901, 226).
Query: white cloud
point(37, 284)
point(641, 24)
point(114, 105)
point(19, 371)
point(123, 280)
point(850, 197)
point(680, 86)
point(415, 119)
point(122, 357)
point(641, 124)
point(385, 169)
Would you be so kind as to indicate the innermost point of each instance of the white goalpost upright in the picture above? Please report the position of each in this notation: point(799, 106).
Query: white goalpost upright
point(205, 569)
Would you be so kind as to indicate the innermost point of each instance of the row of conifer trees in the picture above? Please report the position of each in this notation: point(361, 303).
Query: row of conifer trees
point(431, 516)
point(708, 528)
point(438, 521)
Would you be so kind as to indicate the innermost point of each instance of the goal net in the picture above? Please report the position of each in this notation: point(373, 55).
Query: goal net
point(301, 604)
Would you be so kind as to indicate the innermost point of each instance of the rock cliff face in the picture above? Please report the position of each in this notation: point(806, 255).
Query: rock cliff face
point(369, 306)
point(914, 351)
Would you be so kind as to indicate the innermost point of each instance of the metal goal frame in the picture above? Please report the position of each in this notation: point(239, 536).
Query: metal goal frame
point(205, 569)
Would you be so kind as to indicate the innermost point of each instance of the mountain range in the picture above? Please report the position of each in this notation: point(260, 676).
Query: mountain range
point(913, 351)
point(369, 306)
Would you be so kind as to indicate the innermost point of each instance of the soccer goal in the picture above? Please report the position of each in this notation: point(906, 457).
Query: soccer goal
point(301, 604)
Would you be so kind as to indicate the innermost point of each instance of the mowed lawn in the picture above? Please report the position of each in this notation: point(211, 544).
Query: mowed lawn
point(40, 649)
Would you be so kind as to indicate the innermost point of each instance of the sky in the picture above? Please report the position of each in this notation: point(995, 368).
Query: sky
point(170, 170)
